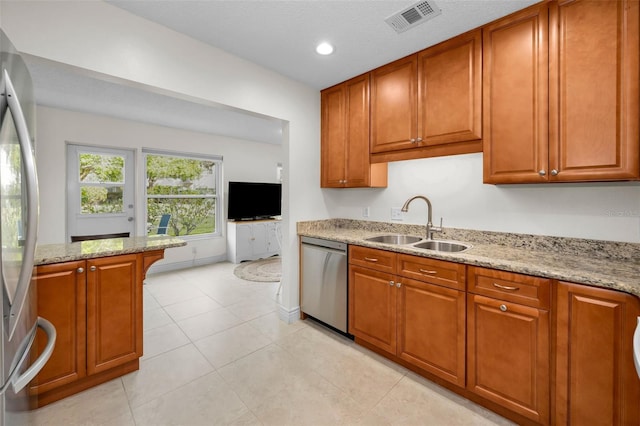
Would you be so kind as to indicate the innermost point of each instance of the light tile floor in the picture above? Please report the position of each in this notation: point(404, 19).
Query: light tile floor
point(217, 354)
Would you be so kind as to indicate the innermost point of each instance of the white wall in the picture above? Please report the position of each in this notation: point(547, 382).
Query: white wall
point(603, 211)
point(57, 127)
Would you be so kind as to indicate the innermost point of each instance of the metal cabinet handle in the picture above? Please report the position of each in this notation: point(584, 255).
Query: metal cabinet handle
point(426, 271)
point(370, 259)
point(542, 173)
point(93, 268)
point(505, 287)
point(398, 285)
point(419, 140)
point(391, 283)
point(503, 308)
point(554, 172)
point(412, 140)
point(80, 270)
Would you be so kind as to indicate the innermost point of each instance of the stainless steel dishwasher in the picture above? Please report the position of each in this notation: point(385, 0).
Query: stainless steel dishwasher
point(324, 281)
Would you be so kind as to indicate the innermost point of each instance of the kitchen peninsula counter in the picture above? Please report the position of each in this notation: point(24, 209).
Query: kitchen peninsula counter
point(91, 291)
point(57, 253)
point(606, 264)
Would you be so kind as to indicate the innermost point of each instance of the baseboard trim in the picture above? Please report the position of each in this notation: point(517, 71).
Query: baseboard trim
point(174, 266)
point(289, 315)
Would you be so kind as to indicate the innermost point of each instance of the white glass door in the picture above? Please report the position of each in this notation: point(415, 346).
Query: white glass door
point(100, 191)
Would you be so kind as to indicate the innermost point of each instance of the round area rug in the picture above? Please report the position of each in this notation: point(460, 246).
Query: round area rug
point(263, 270)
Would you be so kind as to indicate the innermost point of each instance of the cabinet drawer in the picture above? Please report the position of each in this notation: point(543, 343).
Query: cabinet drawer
point(433, 271)
point(380, 260)
point(509, 286)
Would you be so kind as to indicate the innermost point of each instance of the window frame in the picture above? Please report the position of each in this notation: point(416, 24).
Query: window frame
point(218, 197)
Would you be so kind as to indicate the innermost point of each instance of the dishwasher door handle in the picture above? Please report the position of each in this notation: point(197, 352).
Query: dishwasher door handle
point(327, 249)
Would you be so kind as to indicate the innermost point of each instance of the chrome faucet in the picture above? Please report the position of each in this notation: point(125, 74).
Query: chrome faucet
point(430, 228)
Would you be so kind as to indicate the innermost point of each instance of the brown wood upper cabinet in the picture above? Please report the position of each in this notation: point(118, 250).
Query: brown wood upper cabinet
point(345, 137)
point(429, 104)
point(561, 93)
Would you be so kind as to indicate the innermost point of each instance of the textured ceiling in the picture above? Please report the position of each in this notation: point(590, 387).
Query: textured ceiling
point(279, 35)
point(282, 35)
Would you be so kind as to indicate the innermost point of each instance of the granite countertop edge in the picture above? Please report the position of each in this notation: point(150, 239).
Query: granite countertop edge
point(588, 269)
point(47, 254)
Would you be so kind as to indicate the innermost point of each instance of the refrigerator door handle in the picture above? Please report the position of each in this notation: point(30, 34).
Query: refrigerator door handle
point(24, 279)
point(20, 381)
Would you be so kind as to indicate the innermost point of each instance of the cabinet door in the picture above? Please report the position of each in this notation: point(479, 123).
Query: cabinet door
point(274, 237)
point(515, 97)
point(372, 307)
point(450, 91)
point(596, 382)
point(62, 301)
point(260, 237)
point(594, 90)
point(358, 168)
point(508, 355)
point(114, 312)
point(244, 242)
point(334, 138)
point(394, 115)
point(431, 329)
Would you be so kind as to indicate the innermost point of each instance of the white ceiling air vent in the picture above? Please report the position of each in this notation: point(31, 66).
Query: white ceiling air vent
point(413, 15)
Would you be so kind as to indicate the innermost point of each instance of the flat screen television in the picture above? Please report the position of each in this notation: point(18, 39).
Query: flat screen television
point(254, 200)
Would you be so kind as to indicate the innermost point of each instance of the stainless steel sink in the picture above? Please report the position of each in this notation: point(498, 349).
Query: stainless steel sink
point(394, 239)
point(446, 246)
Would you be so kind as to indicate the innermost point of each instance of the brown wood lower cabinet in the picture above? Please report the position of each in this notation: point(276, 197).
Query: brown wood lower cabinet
point(508, 352)
point(416, 321)
point(596, 381)
point(536, 350)
point(508, 355)
point(96, 307)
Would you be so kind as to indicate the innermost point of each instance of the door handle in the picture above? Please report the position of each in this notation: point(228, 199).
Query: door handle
point(31, 180)
point(19, 381)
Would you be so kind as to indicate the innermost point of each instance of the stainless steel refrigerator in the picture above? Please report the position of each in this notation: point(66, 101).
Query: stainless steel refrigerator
point(18, 235)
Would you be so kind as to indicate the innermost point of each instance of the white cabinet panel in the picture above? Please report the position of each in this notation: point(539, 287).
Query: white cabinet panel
point(252, 240)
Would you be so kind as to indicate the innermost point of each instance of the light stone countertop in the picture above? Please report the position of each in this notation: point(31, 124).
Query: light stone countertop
point(598, 263)
point(58, 253)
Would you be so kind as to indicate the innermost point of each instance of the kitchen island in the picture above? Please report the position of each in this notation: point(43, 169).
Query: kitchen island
point(91, 291)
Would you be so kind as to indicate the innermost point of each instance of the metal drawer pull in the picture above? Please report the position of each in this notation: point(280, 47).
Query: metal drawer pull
point(370, 259)
point(398, 285)
point(503, 308)
point(426, 271)
point(391, 283)
point(93, 268)
point(505, 287)
point(80, 270)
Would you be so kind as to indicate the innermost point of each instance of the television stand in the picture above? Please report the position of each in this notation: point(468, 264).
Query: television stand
point(253, 239)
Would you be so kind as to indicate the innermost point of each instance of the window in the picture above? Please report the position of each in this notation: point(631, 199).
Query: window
point(184, 186)
point(101, 178)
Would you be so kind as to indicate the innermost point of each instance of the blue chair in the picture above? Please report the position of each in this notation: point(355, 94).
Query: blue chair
point(164, 224)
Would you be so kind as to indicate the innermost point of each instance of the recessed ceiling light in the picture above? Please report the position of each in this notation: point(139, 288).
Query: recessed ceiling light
point(324, 48)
